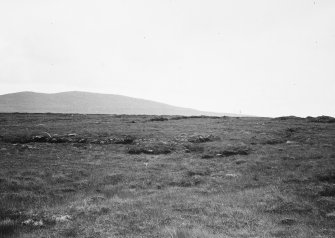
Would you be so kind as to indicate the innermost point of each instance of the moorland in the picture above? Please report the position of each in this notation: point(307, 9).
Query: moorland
point(76, 175)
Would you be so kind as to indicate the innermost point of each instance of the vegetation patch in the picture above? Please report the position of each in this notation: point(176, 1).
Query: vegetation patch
point(123, 140)
point(194, 148)
point(202, 138)
point(321, 119)
point(326, 177)
point(159, 119)
point(328, 191)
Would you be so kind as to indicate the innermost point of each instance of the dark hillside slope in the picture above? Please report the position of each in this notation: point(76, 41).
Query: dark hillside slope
point(90, 103)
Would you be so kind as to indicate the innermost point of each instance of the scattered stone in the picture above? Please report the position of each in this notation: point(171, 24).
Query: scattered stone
point(62, 218)
point(39, 138)
point(82, 140)
point(30, 147)
point(232, 175)
point(31, 222)
point(331, 214)
point(327, 145)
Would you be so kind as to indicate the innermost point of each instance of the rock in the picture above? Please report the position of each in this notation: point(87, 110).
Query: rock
point(72, 134)
point(62, 218)
point(3, 149)
point(38, 223)
point(232, 175)
point(331, 214)
point(40, 139)
point(290, 142)
point(27, 147)
point(31, 222)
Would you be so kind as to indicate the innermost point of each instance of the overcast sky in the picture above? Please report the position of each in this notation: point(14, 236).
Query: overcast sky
point(257, 57)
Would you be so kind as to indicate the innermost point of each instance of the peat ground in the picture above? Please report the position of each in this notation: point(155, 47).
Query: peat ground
point(65, 175)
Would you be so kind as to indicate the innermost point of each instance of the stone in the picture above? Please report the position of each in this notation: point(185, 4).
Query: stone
point(331, 214)
point(232, 175)
point(62, 218)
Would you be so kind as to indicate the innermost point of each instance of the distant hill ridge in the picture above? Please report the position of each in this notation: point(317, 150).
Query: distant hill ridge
point(91, 103)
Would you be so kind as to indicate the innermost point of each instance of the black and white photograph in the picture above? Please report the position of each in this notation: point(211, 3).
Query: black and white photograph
point(167, 118)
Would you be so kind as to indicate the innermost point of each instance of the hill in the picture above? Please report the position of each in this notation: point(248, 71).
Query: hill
point(91, 103)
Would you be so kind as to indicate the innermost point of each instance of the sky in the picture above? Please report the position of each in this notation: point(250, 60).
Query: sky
point(259, 57)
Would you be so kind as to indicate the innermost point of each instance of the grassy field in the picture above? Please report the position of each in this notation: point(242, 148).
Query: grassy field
point(174, 177)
